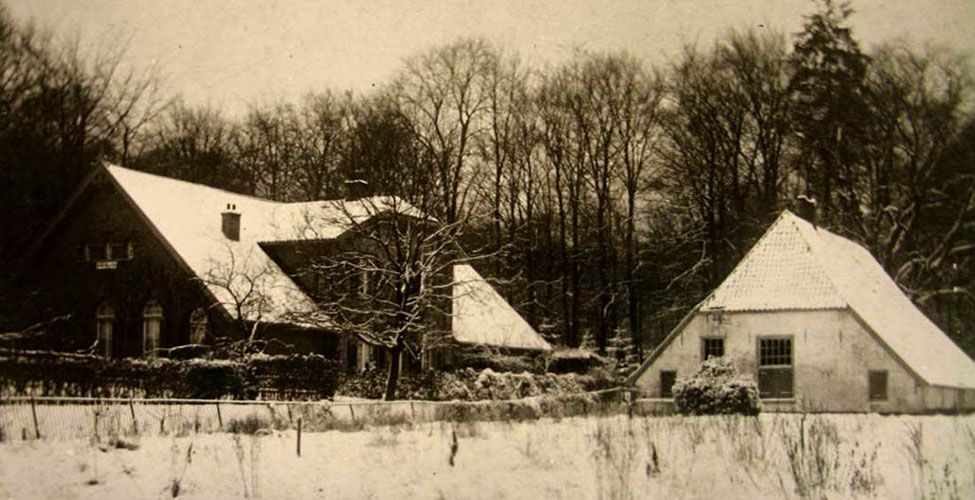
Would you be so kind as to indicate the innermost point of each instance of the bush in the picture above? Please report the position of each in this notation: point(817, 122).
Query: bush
point(574, 361)
point(479, 358)
point(250, 424)
point(292, 376)
point(60, 374)
point(716, 389)
point(206, 379)
point(465, 385)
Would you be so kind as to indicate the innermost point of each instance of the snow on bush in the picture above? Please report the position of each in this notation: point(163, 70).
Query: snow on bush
point(716, 388)
point(468, 385)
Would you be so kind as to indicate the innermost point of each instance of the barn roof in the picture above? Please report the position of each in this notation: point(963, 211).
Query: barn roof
point(799, 266)
point(481, 316)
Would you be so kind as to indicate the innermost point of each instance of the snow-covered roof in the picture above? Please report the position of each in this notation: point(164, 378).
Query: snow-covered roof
point(799, 266)
point(481, 316)
point(187, 216)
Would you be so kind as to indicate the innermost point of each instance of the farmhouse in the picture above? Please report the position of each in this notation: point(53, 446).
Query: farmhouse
point(815, 319)
point(137, 264)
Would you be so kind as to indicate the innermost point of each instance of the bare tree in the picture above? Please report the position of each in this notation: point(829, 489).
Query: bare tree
point(387, 280)
point(241, 282)
point(443, 93)
point(324, 134)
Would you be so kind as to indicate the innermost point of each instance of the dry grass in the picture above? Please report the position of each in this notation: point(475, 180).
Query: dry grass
point(611, 457)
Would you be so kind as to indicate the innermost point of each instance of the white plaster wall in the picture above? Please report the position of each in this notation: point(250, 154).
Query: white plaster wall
point(832, 355)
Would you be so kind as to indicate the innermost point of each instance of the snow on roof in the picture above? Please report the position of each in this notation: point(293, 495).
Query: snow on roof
point(187, 215)
point(797, 266)
point(481, 316)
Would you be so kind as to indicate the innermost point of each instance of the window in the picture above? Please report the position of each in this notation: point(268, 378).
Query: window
point(878, 385)
point(712, 347)
point(351, 354)
point(105, 321)
point(198, 326)
point(667, 379)
point(353, 276)
point(152, 317)
point(117, 251)
point(364, 356)
point(96, 252)
point(775, 367)
point(111, 251)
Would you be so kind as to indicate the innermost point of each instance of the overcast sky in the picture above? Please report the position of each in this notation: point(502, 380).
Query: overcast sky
point(229, 53)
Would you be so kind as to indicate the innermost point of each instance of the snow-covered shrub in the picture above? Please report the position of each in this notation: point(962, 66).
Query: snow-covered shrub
point(480, 358)
point(716, 388)
point(464, 385)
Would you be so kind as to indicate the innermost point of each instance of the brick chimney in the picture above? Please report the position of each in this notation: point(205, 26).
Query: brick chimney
point(230, 222)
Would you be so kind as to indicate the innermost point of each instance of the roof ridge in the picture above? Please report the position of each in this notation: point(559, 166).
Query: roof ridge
point(186, 182)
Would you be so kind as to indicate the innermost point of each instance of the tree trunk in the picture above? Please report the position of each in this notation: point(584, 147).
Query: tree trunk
point(393, 375)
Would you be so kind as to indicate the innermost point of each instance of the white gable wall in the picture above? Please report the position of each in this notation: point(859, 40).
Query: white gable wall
point(832, 355)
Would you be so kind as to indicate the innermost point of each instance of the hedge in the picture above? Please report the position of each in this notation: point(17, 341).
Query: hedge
point(471, 385)
point(44, 373)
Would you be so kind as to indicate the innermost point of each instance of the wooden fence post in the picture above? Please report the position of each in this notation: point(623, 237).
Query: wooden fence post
point(412, 411)
point(135, 423)
point(352, 412)
point(219, 416)
point(299, 436)
point(33, 411)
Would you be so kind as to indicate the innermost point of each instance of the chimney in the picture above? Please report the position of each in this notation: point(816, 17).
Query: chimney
point(356, 189)
point(230, 222)
point(806, 206)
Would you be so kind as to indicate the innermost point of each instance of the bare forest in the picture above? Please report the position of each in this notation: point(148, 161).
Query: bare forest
point(610, 195)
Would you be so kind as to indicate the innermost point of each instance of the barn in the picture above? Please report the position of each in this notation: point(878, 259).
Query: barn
point(820, 326)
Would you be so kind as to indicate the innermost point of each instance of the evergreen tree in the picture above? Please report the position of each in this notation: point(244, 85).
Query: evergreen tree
point(829, 88)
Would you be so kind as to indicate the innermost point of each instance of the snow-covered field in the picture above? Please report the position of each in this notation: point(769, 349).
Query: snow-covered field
point(773, 456)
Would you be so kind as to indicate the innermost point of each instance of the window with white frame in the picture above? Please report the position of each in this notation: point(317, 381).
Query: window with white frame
point(105, 324)
point(152, 317)
point(775, 367)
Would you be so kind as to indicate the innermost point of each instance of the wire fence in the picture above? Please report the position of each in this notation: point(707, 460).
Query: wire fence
point(65, 418)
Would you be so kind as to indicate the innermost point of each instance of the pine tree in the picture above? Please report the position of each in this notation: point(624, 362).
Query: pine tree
point(829, 87)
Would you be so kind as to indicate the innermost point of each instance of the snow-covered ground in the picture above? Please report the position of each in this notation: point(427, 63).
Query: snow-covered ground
point(837, 456)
